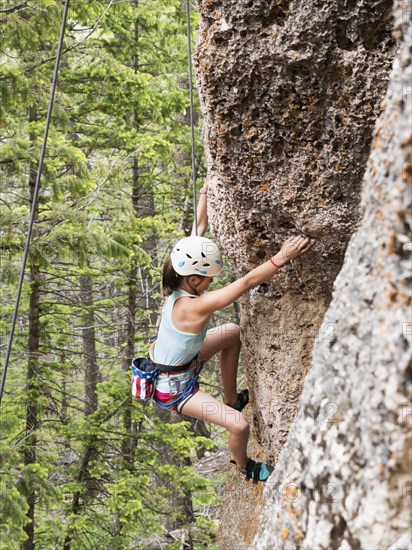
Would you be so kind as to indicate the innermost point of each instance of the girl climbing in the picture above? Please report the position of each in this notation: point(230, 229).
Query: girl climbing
point(184, 342)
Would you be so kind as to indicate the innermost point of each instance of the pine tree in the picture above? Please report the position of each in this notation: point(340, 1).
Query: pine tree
point(111, 195)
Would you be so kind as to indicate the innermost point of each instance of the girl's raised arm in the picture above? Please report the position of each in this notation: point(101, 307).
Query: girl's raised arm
point(215, 300)
point(201, 213)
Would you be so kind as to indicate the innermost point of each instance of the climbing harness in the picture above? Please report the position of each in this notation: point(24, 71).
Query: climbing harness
point(181, 386)
point(35, 197)
point(177, 381)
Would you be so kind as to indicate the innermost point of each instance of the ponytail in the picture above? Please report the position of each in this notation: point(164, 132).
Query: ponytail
point(171, 280)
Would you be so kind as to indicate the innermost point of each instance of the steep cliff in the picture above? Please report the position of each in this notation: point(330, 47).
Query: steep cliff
point(291, 91)
point(343, 479)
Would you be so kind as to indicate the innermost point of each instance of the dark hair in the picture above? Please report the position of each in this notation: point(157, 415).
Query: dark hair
point(171, 280)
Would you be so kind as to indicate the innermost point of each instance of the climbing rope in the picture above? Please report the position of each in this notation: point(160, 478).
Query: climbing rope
point(35, 198)
point(189, 52)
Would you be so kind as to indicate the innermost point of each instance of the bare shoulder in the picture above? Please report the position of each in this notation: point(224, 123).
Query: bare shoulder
point(187, 307)
point(214, 300)
point(187, 316)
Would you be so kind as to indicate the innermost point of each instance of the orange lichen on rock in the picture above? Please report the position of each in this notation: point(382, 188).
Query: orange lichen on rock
point(377, 142)
point(284, 533)
point(289, 492)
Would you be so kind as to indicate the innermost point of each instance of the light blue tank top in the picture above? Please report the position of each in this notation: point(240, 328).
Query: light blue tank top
point(174, 347)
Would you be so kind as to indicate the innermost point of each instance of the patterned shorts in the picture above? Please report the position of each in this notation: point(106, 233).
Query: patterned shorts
point(169, 386)
point(167, 398)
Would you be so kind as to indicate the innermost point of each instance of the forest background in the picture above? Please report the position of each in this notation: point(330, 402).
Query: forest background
point(82, 465)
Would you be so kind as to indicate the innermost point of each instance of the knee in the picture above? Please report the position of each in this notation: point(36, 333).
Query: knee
point(241, 427)
point(234, 331)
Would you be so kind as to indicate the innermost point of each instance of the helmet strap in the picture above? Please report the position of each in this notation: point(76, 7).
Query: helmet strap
point(193, 287)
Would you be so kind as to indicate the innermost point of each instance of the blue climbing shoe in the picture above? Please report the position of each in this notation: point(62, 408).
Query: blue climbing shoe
point(257, 471)
point(242, 400)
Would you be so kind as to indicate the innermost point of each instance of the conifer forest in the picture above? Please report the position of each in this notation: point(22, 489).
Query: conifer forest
point(83, 465)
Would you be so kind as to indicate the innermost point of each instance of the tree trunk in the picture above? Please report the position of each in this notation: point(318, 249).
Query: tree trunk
point(32, 420)
point(131, 428)
point(91, 379)
point(89, 345)
point(32, 397)
point(130, 441)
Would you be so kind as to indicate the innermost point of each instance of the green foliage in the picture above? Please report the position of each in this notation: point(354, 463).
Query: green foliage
point(13, 506)
point(113, 191)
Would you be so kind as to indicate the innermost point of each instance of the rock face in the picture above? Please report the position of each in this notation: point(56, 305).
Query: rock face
point(291, 91)
point(343, 478)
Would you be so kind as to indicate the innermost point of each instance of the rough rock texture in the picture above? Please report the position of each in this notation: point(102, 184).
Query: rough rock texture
point(290, 91)
point(343, 479)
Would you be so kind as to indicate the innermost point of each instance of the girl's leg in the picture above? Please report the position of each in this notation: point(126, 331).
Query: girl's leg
point(205, 407)
point(225, 339)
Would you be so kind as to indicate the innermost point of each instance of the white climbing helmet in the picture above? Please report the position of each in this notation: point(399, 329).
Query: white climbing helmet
point(196, 256)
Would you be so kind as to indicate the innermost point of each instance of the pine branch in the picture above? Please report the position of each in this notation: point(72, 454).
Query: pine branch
point(15, 9)
point(44, 61)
